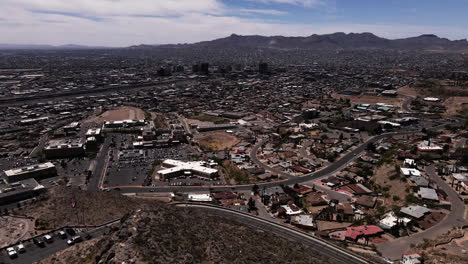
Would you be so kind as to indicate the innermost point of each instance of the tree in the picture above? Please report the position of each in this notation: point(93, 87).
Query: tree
point(251, 204)
point(446, 148)
point(255, 189)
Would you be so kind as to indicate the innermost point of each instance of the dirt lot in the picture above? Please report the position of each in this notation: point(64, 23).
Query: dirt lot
point(159, 120)
point(117, 114)
point(395, 187)
point(453, 252)
point(408, 91)
point(457, 105)
point(90, 208)
point(217, 141)
point(14, 229)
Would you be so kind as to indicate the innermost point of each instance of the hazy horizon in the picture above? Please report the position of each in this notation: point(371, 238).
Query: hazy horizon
point(124, 23)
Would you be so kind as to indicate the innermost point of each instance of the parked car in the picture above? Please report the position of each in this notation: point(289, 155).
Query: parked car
point(12, 252)
point(21, 248)
point(62, 234)
point(38, 242)
point(74, 240)
point(48, 238)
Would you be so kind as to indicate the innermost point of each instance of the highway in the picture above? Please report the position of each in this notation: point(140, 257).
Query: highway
point(321, 247)
point(110, 89)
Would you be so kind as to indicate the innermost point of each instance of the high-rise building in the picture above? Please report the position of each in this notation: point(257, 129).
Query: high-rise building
point(263, 68)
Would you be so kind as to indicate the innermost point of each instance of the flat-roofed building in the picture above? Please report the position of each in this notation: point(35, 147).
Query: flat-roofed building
point(94, 132)
point(176, 168)
point(18, 191)
point(124, 123)
point(38, 172)
point(64, 148)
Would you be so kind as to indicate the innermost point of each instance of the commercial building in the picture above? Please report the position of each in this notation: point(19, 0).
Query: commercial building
point(18, 191)
point(427, 146)
point(176, 168)
point(38, 172)
point(130, 123)
point(64, 148)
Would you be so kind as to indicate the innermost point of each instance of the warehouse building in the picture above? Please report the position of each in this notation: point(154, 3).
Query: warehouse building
point(38, 172)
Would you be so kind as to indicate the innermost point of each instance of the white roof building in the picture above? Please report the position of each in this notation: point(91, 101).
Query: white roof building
point(292, 209)
point(196, 167)
point(203, 197)
point(431, 99)
point(391, 220)
point(410, 172)
point(28, 169)
point(428, 146)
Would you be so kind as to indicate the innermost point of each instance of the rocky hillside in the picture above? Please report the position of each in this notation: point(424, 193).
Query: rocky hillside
point(165, 234)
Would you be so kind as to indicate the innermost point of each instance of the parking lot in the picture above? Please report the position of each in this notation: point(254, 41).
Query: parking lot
point(127, 166)
point(34, 252)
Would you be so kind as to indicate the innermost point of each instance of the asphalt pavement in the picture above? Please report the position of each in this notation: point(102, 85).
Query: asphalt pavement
point(34, 253)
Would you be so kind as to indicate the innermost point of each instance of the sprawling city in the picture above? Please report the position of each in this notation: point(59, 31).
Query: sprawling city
point(326, 148)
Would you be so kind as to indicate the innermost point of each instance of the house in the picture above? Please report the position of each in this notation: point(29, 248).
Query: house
point(411, 258)
point(419, 181)
point(289, 210)
point(428, 194)
point(358, 189)
point(225, 195)
point(355, 232)
point(303, 221)
point(415, 211)
point(391, 220)
point(366, 201)
point(300, 190)
point(345, 209)
point(316, 198)
point(410, 163)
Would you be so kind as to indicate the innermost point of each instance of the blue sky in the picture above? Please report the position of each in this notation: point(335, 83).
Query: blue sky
point(129, 22)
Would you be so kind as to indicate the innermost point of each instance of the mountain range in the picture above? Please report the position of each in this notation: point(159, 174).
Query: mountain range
point(334, 41)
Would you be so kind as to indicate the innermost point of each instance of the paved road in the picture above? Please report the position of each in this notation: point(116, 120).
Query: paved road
point(406, 104)
point(319, 246)
point(34, 253)
point(455, 218)
point(94, 181)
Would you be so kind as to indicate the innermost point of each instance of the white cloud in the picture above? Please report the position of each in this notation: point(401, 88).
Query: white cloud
point(120, 7)
point(305, 3)
point(264, 11)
